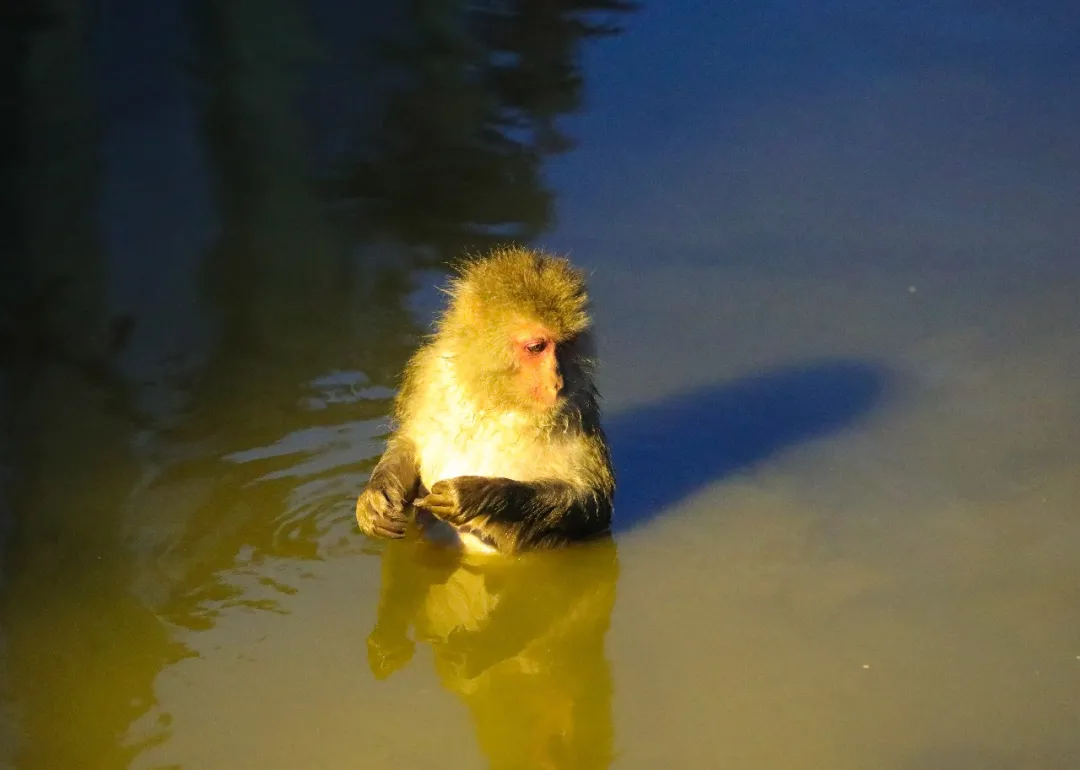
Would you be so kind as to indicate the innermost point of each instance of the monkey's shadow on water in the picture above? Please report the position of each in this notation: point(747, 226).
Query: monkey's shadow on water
point(668, 450)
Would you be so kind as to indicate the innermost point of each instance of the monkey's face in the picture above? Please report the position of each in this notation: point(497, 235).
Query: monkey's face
point(517, 329)
point(538, 369)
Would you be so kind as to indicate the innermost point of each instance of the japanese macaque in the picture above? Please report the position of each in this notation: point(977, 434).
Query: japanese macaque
point(498, 440)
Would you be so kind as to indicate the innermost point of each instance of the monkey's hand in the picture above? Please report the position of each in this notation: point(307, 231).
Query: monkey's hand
point(459, 500)
point(487, 508)
point(512, 515)
point(380, 509)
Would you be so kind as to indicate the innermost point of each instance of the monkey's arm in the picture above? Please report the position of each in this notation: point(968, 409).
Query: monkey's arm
point(519, 515)
point(380, 509)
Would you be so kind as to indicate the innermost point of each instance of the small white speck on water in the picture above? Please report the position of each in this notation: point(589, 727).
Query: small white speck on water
point(866, 665)
point(910, 289)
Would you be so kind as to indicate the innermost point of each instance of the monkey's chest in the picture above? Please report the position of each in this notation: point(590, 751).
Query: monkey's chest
point(493, 451)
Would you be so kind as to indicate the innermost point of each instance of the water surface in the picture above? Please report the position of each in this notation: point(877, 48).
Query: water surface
point(833, 256)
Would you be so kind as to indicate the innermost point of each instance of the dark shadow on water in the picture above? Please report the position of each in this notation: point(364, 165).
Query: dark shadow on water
point(668, 450)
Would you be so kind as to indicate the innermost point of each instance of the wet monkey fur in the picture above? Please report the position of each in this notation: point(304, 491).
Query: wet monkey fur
point(498, 438)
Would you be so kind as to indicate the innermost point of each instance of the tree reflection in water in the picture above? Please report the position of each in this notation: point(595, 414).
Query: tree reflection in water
point(149, 456)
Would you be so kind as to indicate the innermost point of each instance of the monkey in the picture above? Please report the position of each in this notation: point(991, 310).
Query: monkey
point(497, 442)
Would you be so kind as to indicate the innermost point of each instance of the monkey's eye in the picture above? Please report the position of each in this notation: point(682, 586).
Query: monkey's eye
point(536, 347)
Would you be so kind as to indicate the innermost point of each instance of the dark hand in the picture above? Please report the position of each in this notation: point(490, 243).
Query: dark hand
point(380, 509)
point(459, 500)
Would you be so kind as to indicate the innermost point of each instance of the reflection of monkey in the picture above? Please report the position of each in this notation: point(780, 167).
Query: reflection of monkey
point(521, 643)
point(498, 424)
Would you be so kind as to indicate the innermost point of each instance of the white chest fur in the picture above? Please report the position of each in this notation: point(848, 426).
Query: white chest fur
point(491, 446)
point(454, 438)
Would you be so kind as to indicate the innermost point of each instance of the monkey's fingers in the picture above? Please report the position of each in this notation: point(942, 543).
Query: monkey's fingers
point(387, 529)
point(375, 523)
point(383, 528)
point(440, 505)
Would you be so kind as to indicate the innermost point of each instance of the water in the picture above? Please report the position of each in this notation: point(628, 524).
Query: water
point(834, 265)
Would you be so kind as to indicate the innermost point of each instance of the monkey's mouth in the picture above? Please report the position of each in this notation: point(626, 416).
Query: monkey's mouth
point(565, 408)
point(548, 403)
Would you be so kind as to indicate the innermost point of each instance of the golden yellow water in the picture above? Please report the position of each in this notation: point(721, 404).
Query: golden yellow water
point(838, 308)
point(900, 590)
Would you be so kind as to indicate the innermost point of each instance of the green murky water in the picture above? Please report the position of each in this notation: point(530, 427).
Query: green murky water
point(840, 355)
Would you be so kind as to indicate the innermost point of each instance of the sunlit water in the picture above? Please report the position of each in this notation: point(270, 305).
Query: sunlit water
point(901, 590)
point(840, 343)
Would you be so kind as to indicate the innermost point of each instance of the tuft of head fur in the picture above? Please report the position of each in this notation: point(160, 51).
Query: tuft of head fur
point(518, 283)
